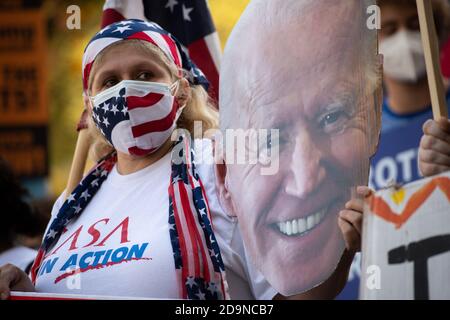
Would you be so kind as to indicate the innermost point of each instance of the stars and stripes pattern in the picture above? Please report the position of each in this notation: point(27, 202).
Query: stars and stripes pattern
point(146, 31)
point(189, 21)
point(196, 252)
point(137, 116)
point(197, 258)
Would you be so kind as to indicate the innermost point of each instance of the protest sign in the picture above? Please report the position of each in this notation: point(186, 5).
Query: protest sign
point(406, 242)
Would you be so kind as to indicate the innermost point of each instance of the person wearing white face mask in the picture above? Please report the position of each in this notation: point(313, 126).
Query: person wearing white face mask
point(405, 77)
point(407, 102)
point(139, 223)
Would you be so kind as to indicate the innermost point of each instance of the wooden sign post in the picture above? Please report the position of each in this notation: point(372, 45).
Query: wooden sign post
point(431, 49)
point(80, 155)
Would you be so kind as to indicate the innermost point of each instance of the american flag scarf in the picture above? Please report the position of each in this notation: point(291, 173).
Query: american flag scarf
point(197, 258)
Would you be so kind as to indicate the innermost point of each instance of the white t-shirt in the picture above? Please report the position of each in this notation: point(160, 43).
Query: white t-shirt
point(120, 245)
point(19, 256)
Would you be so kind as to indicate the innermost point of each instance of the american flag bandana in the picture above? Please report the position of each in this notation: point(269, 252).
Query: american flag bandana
point(197, 258)
point(190, 21)
point(146, 31)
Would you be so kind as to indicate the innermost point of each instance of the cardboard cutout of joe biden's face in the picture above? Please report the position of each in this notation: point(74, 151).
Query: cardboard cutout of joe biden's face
point(305, 69)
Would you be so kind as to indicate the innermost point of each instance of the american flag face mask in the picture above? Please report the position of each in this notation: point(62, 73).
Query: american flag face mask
point(136, 117)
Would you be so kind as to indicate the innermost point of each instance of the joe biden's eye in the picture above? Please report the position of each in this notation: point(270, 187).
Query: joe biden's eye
point(271, 141)
point(334, 121)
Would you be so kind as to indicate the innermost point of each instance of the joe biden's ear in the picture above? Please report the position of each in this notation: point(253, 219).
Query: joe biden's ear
point(222, 188)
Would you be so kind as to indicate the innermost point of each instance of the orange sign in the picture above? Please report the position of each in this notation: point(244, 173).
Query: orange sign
point(382, 209)
point(23, 90)
point(23, 75)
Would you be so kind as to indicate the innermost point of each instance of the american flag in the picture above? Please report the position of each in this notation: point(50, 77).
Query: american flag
point(189, 21)
point(195, 248)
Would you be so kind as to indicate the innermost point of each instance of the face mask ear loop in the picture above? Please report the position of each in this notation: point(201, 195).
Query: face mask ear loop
point(174, 87)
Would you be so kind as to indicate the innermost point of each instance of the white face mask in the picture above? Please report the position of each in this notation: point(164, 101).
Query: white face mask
point(404, 58)
point(136, 117)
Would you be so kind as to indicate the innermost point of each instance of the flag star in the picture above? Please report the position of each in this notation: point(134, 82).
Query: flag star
point(186, 12)
point(94, 183)
point(125, 110)
point(77, 209)
point(51, 234)
point(202, 212)
point(97, 172)
point(122, 29)
point(172, 226)
point(201, 295)
point(85, 194)
point(106, 107)
point(124, 23)
point(211, 252)
point(66, 222)
point(104, 29)
point(104, 173)
point(148, 24)
point(171, 4)
point(212, 287)
point(211, 239)
point(71, 198)
point(190, 281)
point(105, 122)
point(114, 109)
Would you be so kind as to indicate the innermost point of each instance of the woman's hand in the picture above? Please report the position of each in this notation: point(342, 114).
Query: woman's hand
point(434, 152)
point(350, 220)
point(13, 278)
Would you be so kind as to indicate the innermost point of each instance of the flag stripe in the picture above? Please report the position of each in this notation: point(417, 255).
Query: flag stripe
point(190, 225)
point(110, 16)
point(142, 142)
point(199, 52)
point(188, 241)
point(173, 49)
point(139, 151)
point(155, 125)
point(181, 237)
point(143, 102)
point(207, 264)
